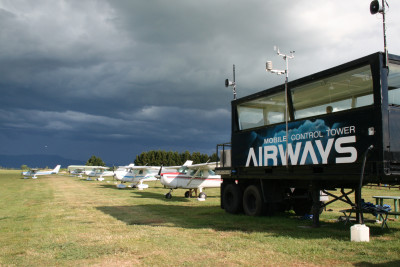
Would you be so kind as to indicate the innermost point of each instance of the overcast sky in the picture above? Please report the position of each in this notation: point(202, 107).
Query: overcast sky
point(119, 77)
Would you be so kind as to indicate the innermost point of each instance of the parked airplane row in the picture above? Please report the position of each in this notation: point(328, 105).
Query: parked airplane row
point(194, 177)
point(90, 171)
point(188, 176)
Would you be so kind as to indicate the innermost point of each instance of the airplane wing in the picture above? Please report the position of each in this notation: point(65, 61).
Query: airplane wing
point(155, 168)
point(102, 168)
point(142, 167)
point(203, 166)
point(75, 167)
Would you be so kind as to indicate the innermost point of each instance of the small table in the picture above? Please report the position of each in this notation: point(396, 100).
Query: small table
point(379, 201)
point(382, 214)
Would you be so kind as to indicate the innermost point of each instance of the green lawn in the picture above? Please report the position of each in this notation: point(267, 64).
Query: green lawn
point(67, 221)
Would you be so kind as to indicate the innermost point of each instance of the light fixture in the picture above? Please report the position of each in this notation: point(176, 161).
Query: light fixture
point(375, 7)
point(232, 83)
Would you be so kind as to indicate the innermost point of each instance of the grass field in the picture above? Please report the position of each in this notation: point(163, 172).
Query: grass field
point(67, 221)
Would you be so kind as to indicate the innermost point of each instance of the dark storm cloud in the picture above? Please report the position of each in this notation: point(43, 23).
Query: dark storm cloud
point(115, 78)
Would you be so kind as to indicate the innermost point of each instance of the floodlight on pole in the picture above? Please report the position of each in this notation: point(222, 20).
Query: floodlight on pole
point(375, 7)
point(232, 83)
point(269, 68)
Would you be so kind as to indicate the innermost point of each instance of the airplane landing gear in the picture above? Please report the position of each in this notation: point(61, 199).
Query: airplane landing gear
point(168, 195)
point(121, 186)
point(142, 186)
point(189, 194)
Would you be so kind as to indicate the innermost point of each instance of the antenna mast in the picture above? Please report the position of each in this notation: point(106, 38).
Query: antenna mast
point(279, 72)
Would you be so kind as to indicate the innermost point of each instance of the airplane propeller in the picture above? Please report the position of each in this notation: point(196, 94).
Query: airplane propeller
point(114, 172)
point(158, 176)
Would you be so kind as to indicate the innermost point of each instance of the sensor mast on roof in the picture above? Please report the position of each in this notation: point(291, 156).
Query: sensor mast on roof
point(268, 67)
point(233, 84)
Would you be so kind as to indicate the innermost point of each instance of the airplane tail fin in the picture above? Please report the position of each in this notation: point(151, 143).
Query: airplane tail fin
point(188, 163)
point(56, 169)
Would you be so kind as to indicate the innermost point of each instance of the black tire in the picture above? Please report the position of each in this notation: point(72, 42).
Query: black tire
point(232, 198)
point(187, 194)
point(253, 204)
point(168, 196)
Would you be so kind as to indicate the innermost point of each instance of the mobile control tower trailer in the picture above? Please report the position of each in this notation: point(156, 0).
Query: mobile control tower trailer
point(343, 131)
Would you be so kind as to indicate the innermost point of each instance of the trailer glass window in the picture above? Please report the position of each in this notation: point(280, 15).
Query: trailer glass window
point(394, 84)
point(262, 111)
point(343, 91)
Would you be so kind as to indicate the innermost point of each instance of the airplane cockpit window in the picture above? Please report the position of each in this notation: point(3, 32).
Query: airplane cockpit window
point(394, 84)
point(183, 169)
point(193, 172)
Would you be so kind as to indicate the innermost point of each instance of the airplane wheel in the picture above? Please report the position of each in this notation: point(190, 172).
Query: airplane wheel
point(187, 194)
point(202, 195)
point(168, 196)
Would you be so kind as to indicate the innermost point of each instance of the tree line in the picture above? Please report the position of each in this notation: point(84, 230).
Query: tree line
point(161, 157)
point(170, 158)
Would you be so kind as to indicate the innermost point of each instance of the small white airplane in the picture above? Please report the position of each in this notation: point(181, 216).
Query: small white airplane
point(192, 177)
point(76, 171)
point(136, 175)
point(98, 171)
point(122, 170)
point(35, 172)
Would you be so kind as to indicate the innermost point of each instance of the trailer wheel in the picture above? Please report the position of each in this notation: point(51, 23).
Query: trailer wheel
point(253, 203)
point(232, 198)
